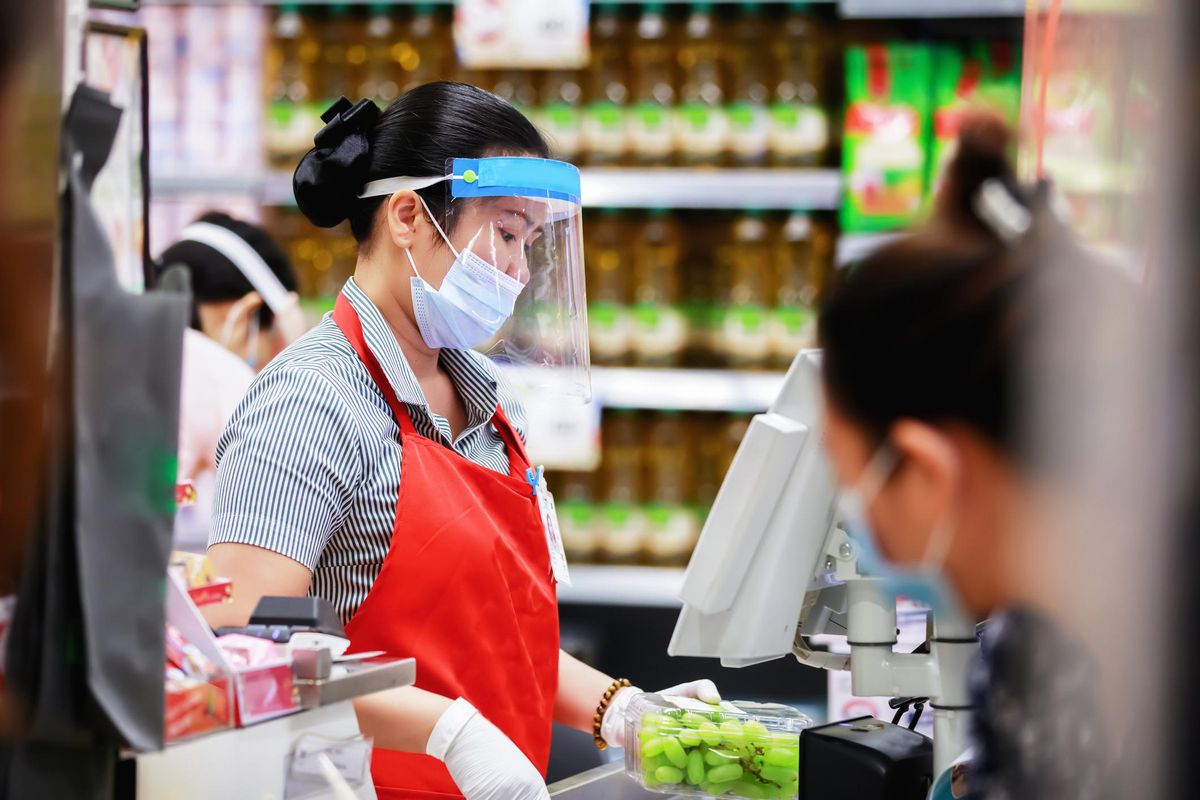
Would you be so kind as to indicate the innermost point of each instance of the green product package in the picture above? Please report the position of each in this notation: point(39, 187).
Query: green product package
point(887, 125)
point(981, 75)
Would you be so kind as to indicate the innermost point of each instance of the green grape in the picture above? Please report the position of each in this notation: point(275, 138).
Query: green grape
point(731, 732)
point(725, 773)
point(780, 775)
point(782, 757)
point(754, 728)
point(710, 733)
point(689, 738)
point(674, 752)
point(670, 775)
point(695, 768)
point(717, 757)
point(651, 764)
point(694, 720)
point(654, 720)
point(653, 747)
point(754, 791)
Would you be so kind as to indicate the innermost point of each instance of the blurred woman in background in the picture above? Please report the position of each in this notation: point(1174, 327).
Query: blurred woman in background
point(245, 310)
point(925, 345)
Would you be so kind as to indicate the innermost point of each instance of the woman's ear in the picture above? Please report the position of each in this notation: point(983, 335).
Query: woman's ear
point(930, 466)
point(403, 211)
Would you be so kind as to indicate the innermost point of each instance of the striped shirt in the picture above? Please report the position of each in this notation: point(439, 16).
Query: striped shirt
point(309, 463)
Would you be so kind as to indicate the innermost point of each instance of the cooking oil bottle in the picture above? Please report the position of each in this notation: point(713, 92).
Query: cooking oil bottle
point(291, 76)
point(797, 279)
point(649, 123)
point(743, 336)
point(671, 527)
point(700, 124)
point(660, 332)
point(604, 136)
point(607, 255)
point(426, 53)
point(622, 526)
point(750, 88)
point(575, 500)
point(799, 122)
point(382, 70)
point(560, 113)
point(342, 56)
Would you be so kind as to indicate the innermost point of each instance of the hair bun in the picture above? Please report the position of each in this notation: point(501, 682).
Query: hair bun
point(330, 176)
point(981, 155)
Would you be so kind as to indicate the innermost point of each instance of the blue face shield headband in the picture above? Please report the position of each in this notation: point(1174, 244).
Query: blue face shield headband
point(516, 285)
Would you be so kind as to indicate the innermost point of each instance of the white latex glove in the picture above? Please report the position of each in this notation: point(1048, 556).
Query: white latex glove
point(612, 727)
point(483, 762)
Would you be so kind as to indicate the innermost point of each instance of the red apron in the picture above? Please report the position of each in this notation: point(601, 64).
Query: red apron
point(466, 588)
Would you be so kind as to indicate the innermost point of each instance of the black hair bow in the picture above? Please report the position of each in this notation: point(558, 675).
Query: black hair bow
point(330, 176)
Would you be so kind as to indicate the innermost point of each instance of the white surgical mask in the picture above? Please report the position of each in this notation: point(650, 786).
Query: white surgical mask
point(473, 302)
point(925, 583)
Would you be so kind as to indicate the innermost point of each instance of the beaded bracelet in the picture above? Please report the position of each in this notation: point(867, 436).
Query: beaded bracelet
point(609, 693)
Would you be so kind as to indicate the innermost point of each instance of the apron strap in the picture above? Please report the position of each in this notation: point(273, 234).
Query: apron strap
point(347, 320)
point(518, 459)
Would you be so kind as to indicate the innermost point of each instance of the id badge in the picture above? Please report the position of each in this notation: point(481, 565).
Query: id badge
point(554, 542)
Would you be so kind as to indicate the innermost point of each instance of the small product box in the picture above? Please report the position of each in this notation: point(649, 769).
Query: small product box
point(685, 747)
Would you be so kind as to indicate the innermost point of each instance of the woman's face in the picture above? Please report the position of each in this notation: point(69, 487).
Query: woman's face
point(904, 512)
point(234, 324)
point(500, 230)
point(943, 476)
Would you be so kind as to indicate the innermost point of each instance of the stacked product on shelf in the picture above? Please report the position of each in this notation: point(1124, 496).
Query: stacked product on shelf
point(700, 84)
point(734, 290)
point(903, 106)
point(205, 115)
point(659, 474)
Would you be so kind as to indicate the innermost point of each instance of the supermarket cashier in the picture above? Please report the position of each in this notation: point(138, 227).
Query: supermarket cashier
point(379, 462)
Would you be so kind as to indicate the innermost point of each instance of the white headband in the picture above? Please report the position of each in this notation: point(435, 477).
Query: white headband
point(387, 186)
point(244, 257)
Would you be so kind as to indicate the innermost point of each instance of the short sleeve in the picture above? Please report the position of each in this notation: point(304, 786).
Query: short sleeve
point(287, 465)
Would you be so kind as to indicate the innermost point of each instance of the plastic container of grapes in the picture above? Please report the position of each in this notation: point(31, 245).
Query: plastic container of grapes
point(685, 747)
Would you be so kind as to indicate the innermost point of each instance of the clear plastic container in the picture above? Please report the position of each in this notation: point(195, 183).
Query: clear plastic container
point(685, 747)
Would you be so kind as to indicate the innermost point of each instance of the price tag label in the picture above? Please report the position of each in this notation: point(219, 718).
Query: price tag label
point(492, 34)
point(561, 431)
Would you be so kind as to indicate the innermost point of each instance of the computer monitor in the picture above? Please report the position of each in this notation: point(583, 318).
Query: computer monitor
point(762, 547)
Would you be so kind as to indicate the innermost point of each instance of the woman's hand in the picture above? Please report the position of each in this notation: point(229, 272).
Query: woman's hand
point(612, 727)
point(483, 762)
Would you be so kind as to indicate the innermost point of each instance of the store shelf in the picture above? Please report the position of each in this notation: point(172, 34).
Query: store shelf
point(713, 188)
point(817, 189)
point(655, 587)
point(190, 183)
point(685, 389)
point(853, 246)
point(931, 8)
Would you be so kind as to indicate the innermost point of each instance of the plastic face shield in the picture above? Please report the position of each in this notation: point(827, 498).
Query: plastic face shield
point(522, 216)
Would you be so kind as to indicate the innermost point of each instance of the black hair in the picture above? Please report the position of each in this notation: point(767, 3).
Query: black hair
point(417, 134)
point(939, 326)
point(216, 279)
